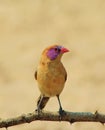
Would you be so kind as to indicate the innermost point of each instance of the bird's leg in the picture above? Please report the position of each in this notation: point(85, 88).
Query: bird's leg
point(60, 107)
point(38, 106)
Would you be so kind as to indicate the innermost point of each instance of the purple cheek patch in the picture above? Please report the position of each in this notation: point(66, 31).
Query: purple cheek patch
point(52, 54)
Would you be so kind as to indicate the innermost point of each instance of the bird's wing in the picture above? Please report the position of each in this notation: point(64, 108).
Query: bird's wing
point(66, 76)
point(35, 75)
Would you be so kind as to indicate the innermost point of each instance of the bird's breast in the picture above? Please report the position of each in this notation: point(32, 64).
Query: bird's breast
point(51, 78)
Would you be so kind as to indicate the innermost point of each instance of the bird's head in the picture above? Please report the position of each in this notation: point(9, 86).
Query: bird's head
point(55, 52)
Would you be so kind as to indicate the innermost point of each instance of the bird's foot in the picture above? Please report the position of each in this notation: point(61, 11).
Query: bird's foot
point(61, 113)
point(38, 111)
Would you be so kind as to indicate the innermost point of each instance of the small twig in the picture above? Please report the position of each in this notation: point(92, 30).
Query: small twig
point(53, 116)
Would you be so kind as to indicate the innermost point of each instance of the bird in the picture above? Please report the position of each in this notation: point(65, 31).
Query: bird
point(51, 75)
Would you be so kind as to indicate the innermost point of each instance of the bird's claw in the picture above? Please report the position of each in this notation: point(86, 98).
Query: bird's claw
point(38, 111)
point(61, 113)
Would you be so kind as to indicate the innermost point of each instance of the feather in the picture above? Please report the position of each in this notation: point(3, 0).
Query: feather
point(51, 74)
point(35, 75)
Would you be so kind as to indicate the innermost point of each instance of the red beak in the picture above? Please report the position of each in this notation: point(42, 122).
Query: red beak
point(64, 50)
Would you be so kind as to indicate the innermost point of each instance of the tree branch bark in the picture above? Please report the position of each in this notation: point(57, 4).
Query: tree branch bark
point(70, 117)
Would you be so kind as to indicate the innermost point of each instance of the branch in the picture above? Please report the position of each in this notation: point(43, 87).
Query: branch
point(53, 116)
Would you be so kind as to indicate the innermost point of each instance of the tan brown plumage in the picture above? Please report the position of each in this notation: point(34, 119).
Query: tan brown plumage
point(50, 75)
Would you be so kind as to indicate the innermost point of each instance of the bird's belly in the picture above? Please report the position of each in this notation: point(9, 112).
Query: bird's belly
point(50, 84)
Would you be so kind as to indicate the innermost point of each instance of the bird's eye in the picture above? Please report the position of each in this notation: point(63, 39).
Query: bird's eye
point(57, 49)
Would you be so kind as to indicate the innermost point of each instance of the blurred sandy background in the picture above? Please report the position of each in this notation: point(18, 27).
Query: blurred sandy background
point(26, 28)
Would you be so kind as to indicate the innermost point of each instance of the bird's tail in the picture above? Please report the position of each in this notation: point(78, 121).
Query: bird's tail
point(42, 101)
